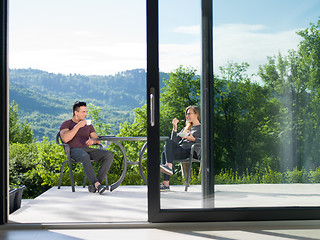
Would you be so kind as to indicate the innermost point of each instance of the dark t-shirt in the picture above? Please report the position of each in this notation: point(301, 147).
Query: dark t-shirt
point(83, 134)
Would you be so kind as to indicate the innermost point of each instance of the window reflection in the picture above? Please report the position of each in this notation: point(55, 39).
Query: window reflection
point(266, 107)
point(180, 57)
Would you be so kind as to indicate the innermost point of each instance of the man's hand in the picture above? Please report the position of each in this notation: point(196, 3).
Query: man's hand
point(67, 135)
point(89, 142)
point(82, 123)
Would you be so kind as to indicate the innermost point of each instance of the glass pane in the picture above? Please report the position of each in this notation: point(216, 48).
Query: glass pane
point(266, 103)
point(62, 51)
point(179, 64)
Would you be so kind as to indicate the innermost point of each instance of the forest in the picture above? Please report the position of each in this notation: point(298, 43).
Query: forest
point(46, 99)
point(264, 132)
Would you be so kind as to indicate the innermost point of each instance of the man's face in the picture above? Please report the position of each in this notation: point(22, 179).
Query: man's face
point(81, 113)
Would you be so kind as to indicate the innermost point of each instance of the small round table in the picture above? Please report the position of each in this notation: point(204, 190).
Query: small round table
point(126, 162)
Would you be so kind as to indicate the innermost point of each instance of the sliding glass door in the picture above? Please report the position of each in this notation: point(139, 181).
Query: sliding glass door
point(259, 138)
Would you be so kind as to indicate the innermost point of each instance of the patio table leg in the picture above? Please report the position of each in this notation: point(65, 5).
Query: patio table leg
point(143, 149)
point(124, 171)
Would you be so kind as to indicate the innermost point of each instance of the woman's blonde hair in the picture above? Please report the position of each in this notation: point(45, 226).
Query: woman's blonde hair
point(196, 111)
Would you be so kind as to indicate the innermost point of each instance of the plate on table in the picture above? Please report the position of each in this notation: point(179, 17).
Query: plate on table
point(183, 134)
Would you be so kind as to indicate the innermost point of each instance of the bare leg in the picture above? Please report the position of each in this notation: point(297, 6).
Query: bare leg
point(96, 185)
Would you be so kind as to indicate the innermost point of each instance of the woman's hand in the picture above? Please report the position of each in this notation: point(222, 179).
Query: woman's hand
point(175, 122)
point(190, 137)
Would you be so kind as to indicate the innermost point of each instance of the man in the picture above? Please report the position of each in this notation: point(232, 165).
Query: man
point(79, 136)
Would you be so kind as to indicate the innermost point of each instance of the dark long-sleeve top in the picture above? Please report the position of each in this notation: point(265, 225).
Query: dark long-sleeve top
point(185, 143)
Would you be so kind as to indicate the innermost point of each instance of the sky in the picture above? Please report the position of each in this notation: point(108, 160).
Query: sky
point(104, 37)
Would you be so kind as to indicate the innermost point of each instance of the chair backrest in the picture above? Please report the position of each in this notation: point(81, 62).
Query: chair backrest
point(61, 143)
point(58, 138)
point(198, 155)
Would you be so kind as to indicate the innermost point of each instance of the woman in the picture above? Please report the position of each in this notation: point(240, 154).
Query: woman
point(179, 146)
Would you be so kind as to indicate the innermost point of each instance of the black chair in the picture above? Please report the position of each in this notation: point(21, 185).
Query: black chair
point(188, 162)
point(70, 161)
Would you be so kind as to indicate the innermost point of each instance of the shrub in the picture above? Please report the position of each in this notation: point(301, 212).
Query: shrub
point(294, 176)
point(250, 178)
point(22, 161)
point(271, 176)
point(37, 166)
point(226, 176)
point(314, 176)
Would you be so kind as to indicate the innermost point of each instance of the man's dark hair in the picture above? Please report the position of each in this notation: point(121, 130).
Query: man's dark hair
point(77, 105)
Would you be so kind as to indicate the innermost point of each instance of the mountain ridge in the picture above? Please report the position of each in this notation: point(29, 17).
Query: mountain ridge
point(45, 99)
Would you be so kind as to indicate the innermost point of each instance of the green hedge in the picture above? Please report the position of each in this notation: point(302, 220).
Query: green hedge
point(269, 176)
point(37, 166)
point(266, 176)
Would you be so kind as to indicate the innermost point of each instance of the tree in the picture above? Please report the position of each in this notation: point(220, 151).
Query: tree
point(244, 129)
point(137, 128)
point(100, 126)
point(18, 133)
point(181, 90)
point(14, 125)
point(309, 51)
point(288, 79)
point(309, 66)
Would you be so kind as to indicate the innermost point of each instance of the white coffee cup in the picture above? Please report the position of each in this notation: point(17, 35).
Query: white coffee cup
point(88, 121)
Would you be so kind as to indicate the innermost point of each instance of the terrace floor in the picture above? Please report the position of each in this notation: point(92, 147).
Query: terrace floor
point(62, 214)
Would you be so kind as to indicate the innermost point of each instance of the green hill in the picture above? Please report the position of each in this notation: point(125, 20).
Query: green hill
point(46, 99)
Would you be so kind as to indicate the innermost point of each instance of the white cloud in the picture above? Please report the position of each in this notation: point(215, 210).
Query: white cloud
point(87, 34)
point(88, 52)
point(81, 52)
point(249, 43)
point(232, 43)
point(174, 55)
point(193, 30)
point(90, 60)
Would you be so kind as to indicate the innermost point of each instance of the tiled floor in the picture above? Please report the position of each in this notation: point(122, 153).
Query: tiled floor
point(129, 203)
point(308, 230)
point(122, 214)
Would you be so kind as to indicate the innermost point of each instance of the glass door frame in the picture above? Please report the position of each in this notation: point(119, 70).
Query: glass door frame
point(155, 214)
point(208, 213)
point(4, 122)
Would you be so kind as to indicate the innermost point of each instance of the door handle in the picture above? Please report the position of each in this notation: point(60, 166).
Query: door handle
point(152, 107)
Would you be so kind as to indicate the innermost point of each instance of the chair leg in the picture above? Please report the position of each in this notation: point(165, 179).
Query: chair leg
point(85, 180)
point(107, 184)
point(71, 176)
point(184, 169)
point(61, 174)
point(188, 176)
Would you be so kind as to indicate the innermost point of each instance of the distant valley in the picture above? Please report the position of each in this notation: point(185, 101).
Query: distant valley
point(46, 99)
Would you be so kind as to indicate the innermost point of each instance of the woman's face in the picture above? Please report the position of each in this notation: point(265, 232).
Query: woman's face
point(191, 116)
